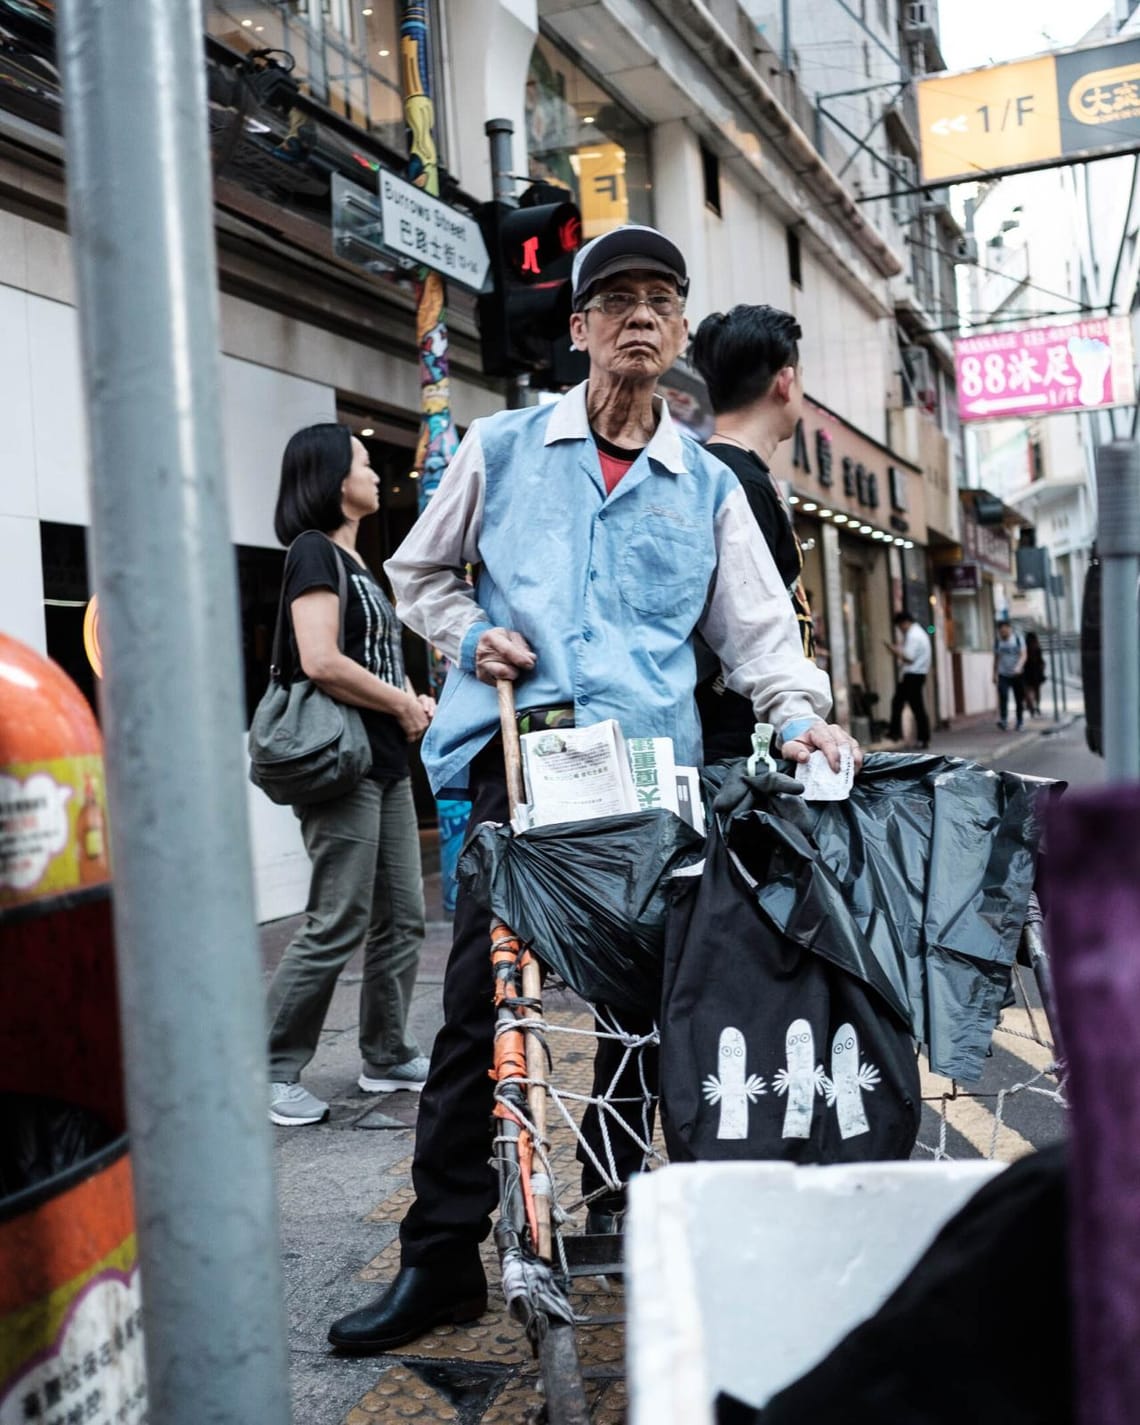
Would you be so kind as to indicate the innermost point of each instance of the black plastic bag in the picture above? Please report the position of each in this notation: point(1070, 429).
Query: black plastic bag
point(767, 1049)
point(43, 1137)
point(928, 868)
point(588, 896)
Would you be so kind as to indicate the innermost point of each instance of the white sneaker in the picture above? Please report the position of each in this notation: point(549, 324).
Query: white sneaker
point(409, 1076)
point(292, 1105)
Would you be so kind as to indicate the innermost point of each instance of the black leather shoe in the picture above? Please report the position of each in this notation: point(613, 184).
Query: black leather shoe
point(604, 1224)
point(418, 1299)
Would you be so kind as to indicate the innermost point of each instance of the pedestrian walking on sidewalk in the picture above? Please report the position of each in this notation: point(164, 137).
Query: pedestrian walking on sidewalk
point(605, 539)
point(1009, 665)
point(750, 361)
point(366, 887)
point(913, 653)
point(1033, 675)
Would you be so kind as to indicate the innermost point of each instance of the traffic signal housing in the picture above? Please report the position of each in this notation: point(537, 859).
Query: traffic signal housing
point(524, 319)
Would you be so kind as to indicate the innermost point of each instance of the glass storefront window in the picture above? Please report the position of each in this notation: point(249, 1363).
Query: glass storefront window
point(579, 136)
point(347, 53)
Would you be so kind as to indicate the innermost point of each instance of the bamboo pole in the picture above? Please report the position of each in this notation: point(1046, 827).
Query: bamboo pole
point(531, 975)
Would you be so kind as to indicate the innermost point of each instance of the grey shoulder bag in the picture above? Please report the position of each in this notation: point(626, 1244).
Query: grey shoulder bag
point(304, 746)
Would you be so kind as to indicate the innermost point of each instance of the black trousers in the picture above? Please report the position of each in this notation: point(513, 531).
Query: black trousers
point(908, 693)
point(455, 1185)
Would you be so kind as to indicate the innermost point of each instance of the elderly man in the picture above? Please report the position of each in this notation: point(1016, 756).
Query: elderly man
point(603, 540)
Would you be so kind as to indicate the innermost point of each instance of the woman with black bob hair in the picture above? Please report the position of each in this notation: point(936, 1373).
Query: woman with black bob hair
point(366, 886)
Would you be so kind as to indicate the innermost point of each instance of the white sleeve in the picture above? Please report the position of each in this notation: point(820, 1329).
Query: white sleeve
point(750, 624)
point(428, 571)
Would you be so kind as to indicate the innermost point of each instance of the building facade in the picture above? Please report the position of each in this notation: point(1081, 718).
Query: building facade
point(703, 119)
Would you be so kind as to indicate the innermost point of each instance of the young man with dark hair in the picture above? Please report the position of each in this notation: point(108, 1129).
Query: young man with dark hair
point(750, 361)
point(913, 653)
point(1009, 664)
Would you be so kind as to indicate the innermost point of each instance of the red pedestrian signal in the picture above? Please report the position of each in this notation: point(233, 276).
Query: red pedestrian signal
point(526, 314)
point(530, 256)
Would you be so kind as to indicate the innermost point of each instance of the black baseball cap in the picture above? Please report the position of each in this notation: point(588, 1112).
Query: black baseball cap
point(632, 248)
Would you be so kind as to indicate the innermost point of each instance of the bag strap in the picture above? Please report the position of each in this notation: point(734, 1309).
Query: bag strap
point(277, 663)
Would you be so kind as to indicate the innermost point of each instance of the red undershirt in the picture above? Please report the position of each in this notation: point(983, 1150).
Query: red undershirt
point(615, 460)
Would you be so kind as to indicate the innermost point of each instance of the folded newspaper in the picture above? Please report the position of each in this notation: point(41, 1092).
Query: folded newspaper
point(574, 773)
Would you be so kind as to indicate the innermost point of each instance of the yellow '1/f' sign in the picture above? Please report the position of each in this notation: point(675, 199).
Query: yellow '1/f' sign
point(1033, 113)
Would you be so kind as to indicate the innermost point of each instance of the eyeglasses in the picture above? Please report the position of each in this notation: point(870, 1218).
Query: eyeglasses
point(623, 304)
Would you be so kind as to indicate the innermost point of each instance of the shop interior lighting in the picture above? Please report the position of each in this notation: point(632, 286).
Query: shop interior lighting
point(413, 474)
point(793, 499)
point(825, 514)
point(840, 519)
point(383, 53)
point(899, 542)
point(864, 529)
point(908, 543)
point(367, 431)
point(589, 119)
point(247, 24)
point(367, 10)
point(810, 505)
point(257, 29)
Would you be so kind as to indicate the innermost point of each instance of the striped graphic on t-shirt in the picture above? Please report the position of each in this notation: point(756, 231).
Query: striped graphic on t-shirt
point(382, 652)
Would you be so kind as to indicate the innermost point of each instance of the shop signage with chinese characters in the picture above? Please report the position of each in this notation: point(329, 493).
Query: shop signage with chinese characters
point(987, 546)
point(1031, 113)
point(1039, 371)
point(833, 465)
point(961, 579)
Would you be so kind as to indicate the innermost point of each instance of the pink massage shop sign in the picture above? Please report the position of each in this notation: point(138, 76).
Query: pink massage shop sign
point(1039, 371)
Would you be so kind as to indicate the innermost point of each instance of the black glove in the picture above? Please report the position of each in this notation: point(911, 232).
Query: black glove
point(740, 790)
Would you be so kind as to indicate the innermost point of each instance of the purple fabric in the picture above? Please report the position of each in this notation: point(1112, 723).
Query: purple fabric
point(1093, 929)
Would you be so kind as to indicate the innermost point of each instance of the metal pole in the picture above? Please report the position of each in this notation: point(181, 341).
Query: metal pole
point(1118, 539)
point(786, 35)
point(1052, 633)
point(141, 213)
point(499, 133)
point(438, 439)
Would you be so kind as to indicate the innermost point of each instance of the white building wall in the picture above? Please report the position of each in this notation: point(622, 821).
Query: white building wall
point(44, 477)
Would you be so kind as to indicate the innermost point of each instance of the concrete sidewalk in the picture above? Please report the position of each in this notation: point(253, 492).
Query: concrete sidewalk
point(979, 739)
point(344, 1185)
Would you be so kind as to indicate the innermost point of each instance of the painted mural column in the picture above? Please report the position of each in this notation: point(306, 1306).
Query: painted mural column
point(438, 439)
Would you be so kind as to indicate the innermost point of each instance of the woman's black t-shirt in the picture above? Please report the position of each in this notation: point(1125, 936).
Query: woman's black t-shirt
point(371, 636)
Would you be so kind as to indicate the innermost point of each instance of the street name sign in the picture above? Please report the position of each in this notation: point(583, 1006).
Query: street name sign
point(430, 232)
point(1032, 113)
point(1043, 371)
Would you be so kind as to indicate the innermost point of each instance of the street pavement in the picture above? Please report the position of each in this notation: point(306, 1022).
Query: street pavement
point(344, 1185)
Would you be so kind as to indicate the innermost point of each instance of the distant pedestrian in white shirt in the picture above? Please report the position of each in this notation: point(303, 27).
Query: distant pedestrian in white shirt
point(913, 653)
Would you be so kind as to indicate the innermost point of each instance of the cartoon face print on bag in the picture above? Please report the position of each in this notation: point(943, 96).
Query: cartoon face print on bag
point(848, 1082)
point(730, 1088)
point(801, 1079)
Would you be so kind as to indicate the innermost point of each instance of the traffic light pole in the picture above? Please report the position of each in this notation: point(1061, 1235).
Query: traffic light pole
point(140, 210)
point(1118, 540)
point(499, 133)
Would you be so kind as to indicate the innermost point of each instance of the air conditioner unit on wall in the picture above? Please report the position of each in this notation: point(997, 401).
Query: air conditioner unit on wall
point(935, 199)
point(920, 384)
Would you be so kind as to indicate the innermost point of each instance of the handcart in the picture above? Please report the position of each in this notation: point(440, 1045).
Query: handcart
point(542, 1261)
